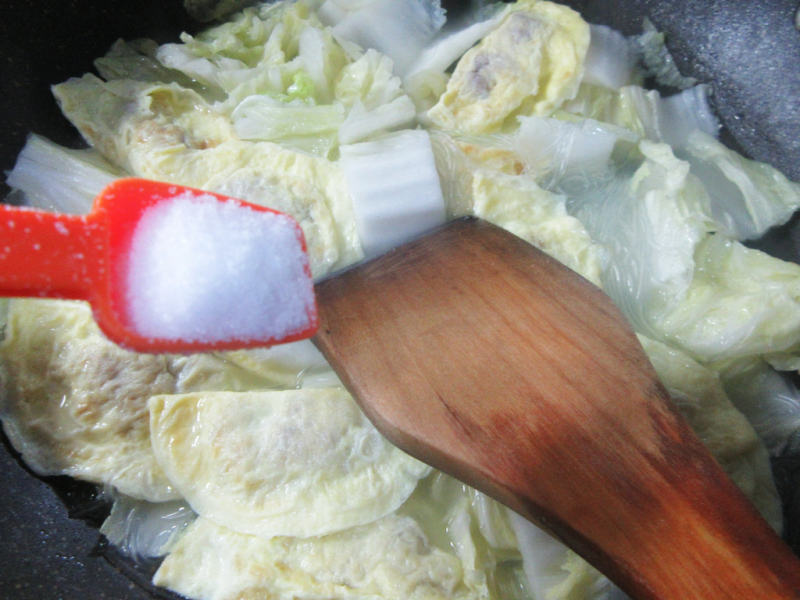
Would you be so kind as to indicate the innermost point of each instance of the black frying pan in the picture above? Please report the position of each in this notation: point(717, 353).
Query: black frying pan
point(749, 50)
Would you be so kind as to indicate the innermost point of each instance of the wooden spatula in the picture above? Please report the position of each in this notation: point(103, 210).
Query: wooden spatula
point(482, 356)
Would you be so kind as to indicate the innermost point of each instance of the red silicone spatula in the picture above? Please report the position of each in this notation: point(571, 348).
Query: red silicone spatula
point(90, 257)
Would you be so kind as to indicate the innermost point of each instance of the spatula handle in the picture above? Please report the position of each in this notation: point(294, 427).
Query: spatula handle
point(663, 523)
point(44, 254)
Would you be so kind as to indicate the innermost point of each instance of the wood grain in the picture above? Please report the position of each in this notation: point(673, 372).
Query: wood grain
point(480, 355)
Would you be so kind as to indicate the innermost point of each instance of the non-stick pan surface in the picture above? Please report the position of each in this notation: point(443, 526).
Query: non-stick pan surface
point(749, 50)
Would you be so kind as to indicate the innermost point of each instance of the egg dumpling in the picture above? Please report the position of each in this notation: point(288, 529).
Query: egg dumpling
point(297, 462)
point(529, 64)
point(391, 559)
point(76, 404)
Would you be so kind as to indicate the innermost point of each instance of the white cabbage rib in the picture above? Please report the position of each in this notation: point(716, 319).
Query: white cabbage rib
point(145, 529)
point(611, 59)
point(399, 29)
point(769, 400)
point(395, 189)
point(747, 197)
point(54, 178)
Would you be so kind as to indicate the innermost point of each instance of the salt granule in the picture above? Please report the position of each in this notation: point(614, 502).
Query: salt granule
point(202, 270)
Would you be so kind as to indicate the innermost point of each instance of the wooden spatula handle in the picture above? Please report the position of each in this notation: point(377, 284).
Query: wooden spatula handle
point(479, 354)
point(663, 521)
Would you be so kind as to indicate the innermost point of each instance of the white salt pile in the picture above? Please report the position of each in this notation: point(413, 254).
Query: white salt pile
point(202, 270)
